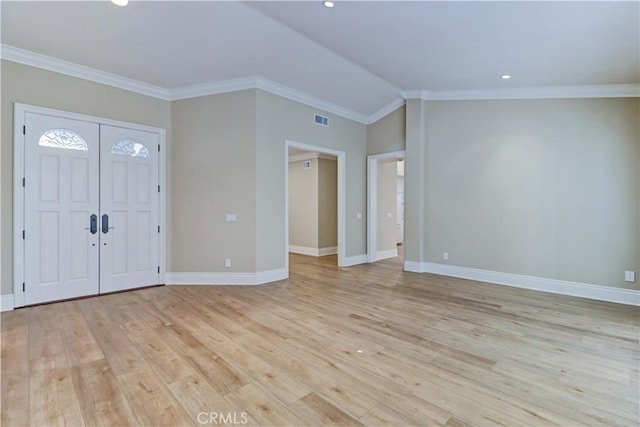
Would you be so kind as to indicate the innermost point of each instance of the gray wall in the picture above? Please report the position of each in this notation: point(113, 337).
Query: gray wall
point(214, 173)
point(547, 188)
point(34, 86)
point(280, 119)
point(327, 203)
point(228, 157)
point(303, 204)
point(387, 134)
point(313, 204)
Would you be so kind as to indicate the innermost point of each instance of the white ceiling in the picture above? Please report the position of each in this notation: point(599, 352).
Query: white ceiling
point(359, 55)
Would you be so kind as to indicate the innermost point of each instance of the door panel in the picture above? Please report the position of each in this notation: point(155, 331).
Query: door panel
point(75, 171)
point(79, 185)
point(80, 241)
point(129, 250)
point(61, 193)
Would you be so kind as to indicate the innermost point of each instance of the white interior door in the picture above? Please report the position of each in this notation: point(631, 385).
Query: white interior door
point(129, 222)
point(91, 208)
point(61, 194)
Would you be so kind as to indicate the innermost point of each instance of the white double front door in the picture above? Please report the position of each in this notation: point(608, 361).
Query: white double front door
point(91, 204)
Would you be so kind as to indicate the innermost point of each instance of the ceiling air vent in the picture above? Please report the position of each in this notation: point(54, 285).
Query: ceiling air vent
point(306, 164)
point(321, 120)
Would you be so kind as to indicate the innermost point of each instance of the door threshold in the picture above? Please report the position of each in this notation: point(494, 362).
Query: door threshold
point(88, 296)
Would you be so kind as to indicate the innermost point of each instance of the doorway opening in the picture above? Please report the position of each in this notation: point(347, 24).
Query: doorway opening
point(314, 201)
point(385, 206)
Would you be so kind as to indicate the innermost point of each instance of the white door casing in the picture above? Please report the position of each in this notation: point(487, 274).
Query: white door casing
point(61, 170)
point(342, 172)
point(400, 209)
point(74, 198)
point(129, 255)
point(372, 200)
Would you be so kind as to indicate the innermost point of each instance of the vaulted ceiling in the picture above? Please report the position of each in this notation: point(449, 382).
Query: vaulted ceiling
point(359, 55)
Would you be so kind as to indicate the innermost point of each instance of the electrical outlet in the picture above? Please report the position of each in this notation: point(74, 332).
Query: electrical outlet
point(358, 215)
point(445, 256)
point(227, 262)
point(630, 276)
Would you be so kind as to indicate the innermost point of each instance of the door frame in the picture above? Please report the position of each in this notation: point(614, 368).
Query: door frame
point(20, 111)
point(342, 239)
point(372, 200)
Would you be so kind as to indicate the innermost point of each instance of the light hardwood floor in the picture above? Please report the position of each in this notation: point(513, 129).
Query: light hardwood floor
point(330, 346)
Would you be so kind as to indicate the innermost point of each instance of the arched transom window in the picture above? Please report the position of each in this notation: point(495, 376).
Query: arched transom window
point(129, 147)
point(63, 138)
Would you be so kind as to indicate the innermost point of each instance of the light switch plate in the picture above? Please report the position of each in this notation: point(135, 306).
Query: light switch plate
point(231, 217)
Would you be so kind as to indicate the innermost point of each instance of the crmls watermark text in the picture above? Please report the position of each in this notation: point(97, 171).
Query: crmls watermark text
point(227, 418)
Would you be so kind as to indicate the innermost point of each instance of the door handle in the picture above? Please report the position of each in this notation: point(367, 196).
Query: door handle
point(94, 223)
point(105, 223)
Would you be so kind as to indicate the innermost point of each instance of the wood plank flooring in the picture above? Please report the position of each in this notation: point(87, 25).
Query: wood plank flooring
point(365, 345)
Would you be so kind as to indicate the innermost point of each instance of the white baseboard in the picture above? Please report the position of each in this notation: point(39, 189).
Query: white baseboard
point(563, 287)
point(413, 266)
point(305, 250)
point(271, 276)
point(6, 302)
point(354, 260)
point(258, 278)
point(331, 250)
point(391, 253)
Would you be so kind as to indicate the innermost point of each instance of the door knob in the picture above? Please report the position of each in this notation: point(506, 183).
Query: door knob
point(105, 224)
point(93, 224)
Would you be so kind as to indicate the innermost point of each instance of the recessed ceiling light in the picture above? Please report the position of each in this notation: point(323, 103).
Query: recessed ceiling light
point(120, 2)
point(505, 77)
point(328, 4)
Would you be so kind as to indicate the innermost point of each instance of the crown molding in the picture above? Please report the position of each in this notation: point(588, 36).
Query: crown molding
point(312, 101)
point(213, 88)
point(311, 155)
point(37, 60)
point(546, 92)
point(257, 82)
point(415, 94)
point(303, 156)
point(25, 57)
point(386, 110)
